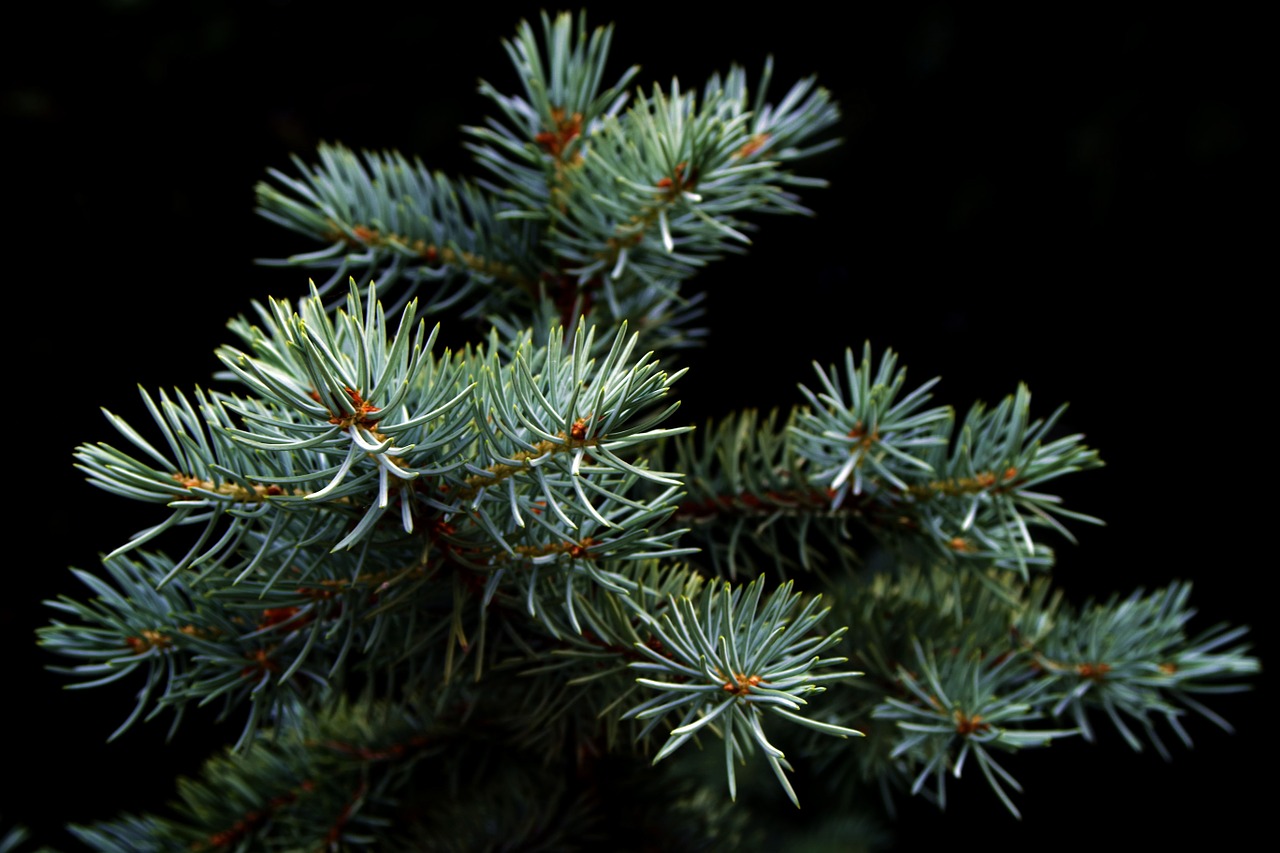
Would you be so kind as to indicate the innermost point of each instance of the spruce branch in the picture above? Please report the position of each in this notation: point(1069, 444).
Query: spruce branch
point(542, 136)
point(728, 662)
point(749, 504)
point(1132, 659)
point(328, 783)
point(973, 702)
point(959, 663)
point(764, 494)
point(281, 652)
point(383, 217)
point(678, 169)
point(527, 471)
point(475, 582)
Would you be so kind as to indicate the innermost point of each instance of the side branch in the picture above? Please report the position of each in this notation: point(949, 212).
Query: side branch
point(257, 493)
point(810, 499)
point(495, 474)
point(629, 234)
point(362, 236)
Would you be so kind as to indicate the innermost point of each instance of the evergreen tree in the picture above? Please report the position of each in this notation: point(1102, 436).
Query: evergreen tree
point(503, 595)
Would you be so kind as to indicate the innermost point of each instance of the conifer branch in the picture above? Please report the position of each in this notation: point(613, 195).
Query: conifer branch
point(424, 579)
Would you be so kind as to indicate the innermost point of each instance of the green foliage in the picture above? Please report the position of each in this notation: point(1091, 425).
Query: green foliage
point(594, 209)
point(1140, 663)
point(435, 583)
point(322, 783)
point(973, 703)
point(731, 667)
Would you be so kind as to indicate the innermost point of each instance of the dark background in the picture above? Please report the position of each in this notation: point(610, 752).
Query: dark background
point(1064, 197)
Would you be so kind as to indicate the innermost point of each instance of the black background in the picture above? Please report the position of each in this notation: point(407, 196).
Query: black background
point(1065, 197)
